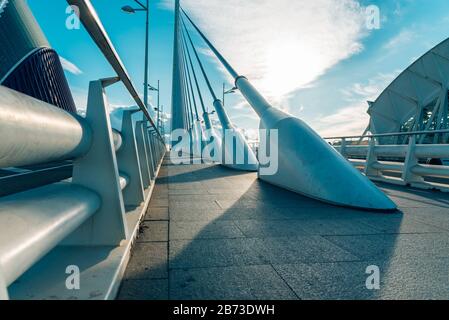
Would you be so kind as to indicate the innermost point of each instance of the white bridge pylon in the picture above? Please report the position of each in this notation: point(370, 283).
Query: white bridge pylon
point(230, 148)
point(306, 163)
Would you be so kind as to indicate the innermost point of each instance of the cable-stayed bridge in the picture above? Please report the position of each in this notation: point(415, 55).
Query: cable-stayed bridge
point(205, 216)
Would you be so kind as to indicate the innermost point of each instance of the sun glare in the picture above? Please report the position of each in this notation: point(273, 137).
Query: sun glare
point(289, 67)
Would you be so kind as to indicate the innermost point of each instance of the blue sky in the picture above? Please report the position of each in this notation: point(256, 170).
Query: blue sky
point(313, 58)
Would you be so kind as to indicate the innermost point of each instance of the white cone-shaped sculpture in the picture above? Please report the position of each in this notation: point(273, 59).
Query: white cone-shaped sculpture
point(212, 142)
point(192, 139)
point(306, 163)
point(309, 165)
point(200, 138)
point(236, 152)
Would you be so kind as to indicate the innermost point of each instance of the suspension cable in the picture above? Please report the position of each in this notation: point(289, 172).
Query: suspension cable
point(214, 97)
point(183, 86)
point(189, 98)
point(186, 48)
point(220, 57)
point(190, 81)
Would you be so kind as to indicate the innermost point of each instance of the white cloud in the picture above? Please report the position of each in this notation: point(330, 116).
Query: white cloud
point(402, 38)
point(353, 119)
point(370, 90)
point(282, 45)
point(70, 66)
point(80, 97)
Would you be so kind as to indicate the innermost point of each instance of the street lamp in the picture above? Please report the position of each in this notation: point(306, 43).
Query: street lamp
point(131, 10)
point(151, 88)
point(232, 90)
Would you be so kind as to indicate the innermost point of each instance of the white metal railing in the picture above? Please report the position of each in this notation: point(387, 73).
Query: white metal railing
point(408, 162)
point(111, 170)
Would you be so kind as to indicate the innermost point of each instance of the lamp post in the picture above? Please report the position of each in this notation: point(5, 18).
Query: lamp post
point(151, 88)
point(232, 90)
point(131, 10)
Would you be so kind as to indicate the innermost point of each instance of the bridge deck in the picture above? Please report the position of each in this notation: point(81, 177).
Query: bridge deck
point(214, 233)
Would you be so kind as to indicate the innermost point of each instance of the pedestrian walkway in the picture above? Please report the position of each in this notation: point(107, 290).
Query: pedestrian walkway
point(214, 233)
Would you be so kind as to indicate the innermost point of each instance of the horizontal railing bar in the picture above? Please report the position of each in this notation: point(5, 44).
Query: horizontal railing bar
point(421, 151)
point(388, 166)
point(391, 150)
point(34, 222)
point(357, 162)
point(382, 150)
point(431, 170)
point(25, 181)
point(421, 170)
point(432, 151)
point(397, 134)
point(33, 131)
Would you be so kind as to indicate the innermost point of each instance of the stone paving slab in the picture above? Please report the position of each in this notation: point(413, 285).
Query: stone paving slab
point(224, 234)
point(143, 290)
point(192, 214)
point(149, 261)
point(276, 228)
point(157, 214)
point(190, 230)
point(437, 217)
point(159, 203)
point(229, 283)
point(285, 250)
point(424, 279)
point(151, 231)
point(401, 225)
point(214, 253)
point(385, 246)
point(196, 205)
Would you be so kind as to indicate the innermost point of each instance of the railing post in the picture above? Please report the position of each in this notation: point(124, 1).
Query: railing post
point(198, 148)
point(343, 148)
point(98, 171)
point(160, 151)
point(3, 288)
point(411, 161)
point(150, 151)
point(157, 156)
point(191, 141)
point(155, 151)
point(142, 152)
point(128, 161)
point(371, 158)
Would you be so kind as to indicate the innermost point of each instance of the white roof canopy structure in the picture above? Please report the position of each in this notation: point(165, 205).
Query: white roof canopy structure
point(418, 98)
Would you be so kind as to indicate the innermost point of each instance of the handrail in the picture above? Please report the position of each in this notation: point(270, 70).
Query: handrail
point(38, 220)
point(95, 28)
point(407, 160)
point(397, 134)
point(106, 178)
point(35, 132)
